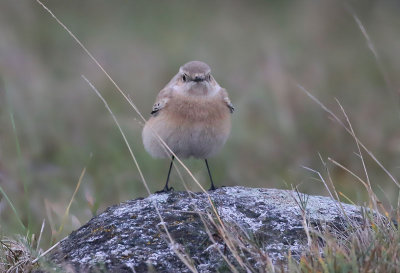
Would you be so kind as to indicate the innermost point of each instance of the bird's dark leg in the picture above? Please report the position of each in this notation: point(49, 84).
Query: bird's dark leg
point(209, 173)
point(166, 189)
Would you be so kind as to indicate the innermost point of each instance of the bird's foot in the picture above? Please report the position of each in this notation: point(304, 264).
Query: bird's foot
point(165, 190)
point(212, 188)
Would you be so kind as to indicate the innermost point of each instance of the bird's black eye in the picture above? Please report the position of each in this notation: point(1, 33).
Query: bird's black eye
point(184, 78)
point(208, 77)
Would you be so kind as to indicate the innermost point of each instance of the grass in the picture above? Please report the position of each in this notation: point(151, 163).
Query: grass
point(19, 254)
point(372, 247)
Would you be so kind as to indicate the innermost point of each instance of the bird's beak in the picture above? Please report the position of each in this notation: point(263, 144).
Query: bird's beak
point(198, 79)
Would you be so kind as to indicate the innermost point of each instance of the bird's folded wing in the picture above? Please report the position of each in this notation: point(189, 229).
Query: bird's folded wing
point(161, 101)
point(227, 101)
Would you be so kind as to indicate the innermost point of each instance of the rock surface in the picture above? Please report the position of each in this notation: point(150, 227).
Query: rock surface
point(130, 237)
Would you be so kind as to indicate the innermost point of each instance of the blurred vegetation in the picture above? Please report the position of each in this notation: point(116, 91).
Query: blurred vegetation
point(257, 51)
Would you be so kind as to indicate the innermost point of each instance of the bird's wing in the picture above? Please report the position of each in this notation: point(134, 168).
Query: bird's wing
point(161, 101)
point(227, 100)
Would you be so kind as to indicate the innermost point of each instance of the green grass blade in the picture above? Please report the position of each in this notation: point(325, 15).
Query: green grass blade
point(19, 155)
point(13, 208)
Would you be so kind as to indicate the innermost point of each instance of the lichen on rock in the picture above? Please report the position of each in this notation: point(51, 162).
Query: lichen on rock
point(130, 237)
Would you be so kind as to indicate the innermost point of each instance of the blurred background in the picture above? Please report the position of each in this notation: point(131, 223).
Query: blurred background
point(52, 125)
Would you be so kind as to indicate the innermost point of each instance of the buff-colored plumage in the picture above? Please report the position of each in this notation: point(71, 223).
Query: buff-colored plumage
point(192, 114)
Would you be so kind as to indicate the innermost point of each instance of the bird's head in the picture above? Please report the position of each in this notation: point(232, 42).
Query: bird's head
point(194, 78)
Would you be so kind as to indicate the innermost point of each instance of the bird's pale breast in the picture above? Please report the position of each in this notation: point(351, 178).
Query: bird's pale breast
point(190, 126)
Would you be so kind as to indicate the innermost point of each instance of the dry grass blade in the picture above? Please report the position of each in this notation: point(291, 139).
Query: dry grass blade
point(92, 58)
point(121, 131)
point(347, 198)
point(369, 188)
point(46, 252)
point(66, 213)
point(321, 179)
point(225, 236)
point(371, 47)
point(349, 131)
point(40, 236)
point(350, 172)
point(337, 201)
point(333, 185)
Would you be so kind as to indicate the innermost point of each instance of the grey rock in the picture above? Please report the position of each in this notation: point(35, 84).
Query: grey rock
point(130, 237)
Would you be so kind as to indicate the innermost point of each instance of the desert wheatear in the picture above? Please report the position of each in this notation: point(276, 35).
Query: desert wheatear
point(191, 115)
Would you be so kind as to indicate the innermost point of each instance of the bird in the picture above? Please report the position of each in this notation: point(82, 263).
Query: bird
point(192, 115)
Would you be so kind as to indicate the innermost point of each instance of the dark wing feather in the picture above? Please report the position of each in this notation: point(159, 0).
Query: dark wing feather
point(156, 107)
point(161, 101)
point(230, 106)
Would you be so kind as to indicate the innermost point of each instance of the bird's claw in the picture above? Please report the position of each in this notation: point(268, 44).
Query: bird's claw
point(165, 190)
